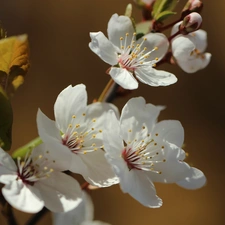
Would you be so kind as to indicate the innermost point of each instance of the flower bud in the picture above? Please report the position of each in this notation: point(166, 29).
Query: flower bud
point(192, 6)
point(190, 23)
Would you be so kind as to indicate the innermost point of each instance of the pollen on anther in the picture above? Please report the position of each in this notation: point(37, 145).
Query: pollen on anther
point(134, 34)
point(73, 116)
point(95, 149)
point(145, 39)
point(94, 120)
point(163, 147)
point(93, 144)
point(156, 59)
point(121, 38)
point(155, 48)
point(47, 152)
point(53, 161)
point(156, 134)
point(70, 125)
point(45, 168)
point(100, 131)
point(130, 130)
point(164, 160)
point(77, 125)
point(85, 152)
point(40, 156)
point(93, 136)
point(127, 34)
point(84, 114)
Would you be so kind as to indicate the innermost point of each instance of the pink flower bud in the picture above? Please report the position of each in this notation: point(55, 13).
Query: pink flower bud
point(192, 6)
point(191, 22)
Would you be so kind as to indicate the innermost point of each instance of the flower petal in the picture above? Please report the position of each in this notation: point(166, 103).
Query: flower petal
point(195, 180)
point(102, 47)
point(99, 173)
point(142, 189)
point(194, 64)
point(137, 119)
point(153, 40)
point(83, 212)
point(170, 131)
point(60, 192)
point(153, 77)
point(182, 47)
point(51, 137)
point(111, 132)
point(118, 26)
point(199, 38)
point(23, 197)
point(124, 78)
point(71, 101)
point(7, 165)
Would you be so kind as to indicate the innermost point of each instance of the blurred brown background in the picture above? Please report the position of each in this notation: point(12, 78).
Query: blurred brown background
point(59, 35)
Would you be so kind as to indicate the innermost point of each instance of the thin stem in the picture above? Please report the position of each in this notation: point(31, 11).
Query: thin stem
point(173, 36)
point(34, 219)
point(106, 91)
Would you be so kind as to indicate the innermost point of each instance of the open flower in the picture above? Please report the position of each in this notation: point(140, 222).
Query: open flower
point(189, 50)
point(142, 151)
point(35, 182)
point(83, 214)
point(76, 135)
point(129, 57)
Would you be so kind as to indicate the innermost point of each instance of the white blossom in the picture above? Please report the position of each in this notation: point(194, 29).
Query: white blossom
point(76, 135)
point(129, 57)
point(35, 182)
point(143, 151)
point(83, 214)
point(189, 50)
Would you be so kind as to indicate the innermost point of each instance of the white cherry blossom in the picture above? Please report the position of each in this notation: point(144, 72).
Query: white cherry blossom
point(129, 57)
point(189, 50)
point(83, 214)
point(35, 182)
point(76, 135)
point(143, 151)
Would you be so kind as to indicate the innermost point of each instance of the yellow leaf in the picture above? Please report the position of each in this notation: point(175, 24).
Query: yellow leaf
point(14, 62)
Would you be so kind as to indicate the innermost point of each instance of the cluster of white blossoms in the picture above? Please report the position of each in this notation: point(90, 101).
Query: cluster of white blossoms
point(95, 141)
point(133, 150)
point(129, 57)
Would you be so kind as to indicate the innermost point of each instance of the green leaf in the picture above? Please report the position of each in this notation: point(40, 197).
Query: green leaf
point(6, 120)
point(144, 27)
point(164, 15)
point(14, 62)
point(163, 5)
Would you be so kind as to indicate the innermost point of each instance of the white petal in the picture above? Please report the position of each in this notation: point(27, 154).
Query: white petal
point(195, 180)
point(71, 101)
point(194, 64)
point(171, 171)
point(124, 78)
point(100, 172)
point(60, 192)
point(7, 165)
point(102, 47)
point(8, 178)
point(51, 137)
point(155, 40)
point(83, 212)
point(170, 131)
point(142, 189)
point(98, 111)
point(182, 47)
point(199, 38)
point(153, 77)
point(113, 143)
point(135, 115)
point(23, 197)
point(175, 28)
point(118, 26)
